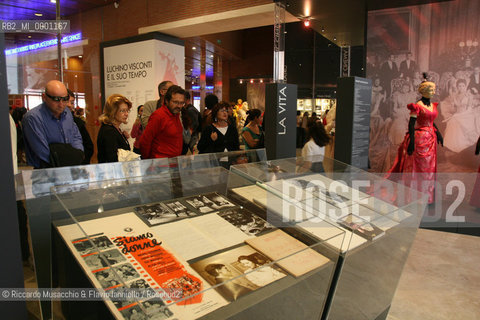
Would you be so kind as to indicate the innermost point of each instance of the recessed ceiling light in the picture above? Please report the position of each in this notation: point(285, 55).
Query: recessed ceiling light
point(241, 81)
point(53, 1)
point(29, 37)
point(211, 56)
point(334, 38)
point(38, 14)
point(194, 48)
point(261, 80)
point(80, 57)
point(251, 81)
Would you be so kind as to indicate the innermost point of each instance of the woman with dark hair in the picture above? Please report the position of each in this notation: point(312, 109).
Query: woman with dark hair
point(252, 133)
point(317, 139)
point(219, 136)
point(137, 130)
point(111, 137)
point(187, 130)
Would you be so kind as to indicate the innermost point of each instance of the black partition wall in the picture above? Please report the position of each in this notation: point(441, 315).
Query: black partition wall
point(11, 266)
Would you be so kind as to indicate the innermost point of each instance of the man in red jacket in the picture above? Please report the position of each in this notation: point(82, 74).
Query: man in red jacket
point(163, 137)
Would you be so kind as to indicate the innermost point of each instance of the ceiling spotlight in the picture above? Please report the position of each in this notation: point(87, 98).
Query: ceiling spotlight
point(53, 1)
point(194, 48)
point(323, 29)
point(211, 56)
point(38, 14)
point(306, 23)
point(251, 80)
point(261, 80)
point(80, 57)
point(241, 81)
point(334, 38)
point(29, 37)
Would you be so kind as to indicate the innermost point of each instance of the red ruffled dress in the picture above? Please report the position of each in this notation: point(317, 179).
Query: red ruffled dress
point(419, 169)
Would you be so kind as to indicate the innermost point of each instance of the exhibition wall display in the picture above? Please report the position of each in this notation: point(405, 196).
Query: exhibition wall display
point(441, 39)
point(134, 67)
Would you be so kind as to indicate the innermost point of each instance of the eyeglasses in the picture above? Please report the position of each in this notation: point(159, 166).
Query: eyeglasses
point(58, 99)
point(178, 103)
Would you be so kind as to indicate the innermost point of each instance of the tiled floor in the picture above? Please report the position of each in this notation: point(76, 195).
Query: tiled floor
point(441, 279)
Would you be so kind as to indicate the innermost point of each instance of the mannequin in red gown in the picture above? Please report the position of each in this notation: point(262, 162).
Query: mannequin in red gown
point(416, 161)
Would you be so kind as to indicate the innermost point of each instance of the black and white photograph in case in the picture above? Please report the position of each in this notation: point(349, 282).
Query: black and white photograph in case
point(156, 309)
point(156, 213)
point(227, 269)
point(121, 297)
point(139, 284)
point(127, 272)
point(103, 259)
point(84, 246)
point(133, 313)
point(201, 203)
point(179, 208)
point(247, 221)
point(143, 287)
point(332, 198)
point(218, 201)
point(107, 278)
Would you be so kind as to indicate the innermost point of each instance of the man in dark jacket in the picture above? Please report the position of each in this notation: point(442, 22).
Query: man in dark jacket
point(87, 141)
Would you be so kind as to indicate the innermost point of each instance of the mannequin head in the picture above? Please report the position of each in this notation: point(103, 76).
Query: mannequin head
point(245, 106)
point(427, 89)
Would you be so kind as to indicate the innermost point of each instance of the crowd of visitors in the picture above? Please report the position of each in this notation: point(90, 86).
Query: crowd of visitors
point(168, 127)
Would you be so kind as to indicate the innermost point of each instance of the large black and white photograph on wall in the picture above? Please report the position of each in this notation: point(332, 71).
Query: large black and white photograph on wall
point(440, 39)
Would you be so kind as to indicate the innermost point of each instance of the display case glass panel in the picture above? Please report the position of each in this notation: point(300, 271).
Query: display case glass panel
point(380, 218)
point(187, 229)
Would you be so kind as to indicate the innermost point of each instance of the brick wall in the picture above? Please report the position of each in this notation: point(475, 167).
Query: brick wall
point(107, 23)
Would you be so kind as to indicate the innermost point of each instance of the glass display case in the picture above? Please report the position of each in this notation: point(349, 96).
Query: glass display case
point(173, 239)
point(380, 219)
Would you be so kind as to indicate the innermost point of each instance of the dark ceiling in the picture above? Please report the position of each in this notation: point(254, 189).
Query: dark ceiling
point(343, 21)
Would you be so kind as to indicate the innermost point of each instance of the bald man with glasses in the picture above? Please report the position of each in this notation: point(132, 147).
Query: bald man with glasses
point(50, 123)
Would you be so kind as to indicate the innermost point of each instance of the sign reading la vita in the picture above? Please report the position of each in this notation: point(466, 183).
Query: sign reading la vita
point(282, 104)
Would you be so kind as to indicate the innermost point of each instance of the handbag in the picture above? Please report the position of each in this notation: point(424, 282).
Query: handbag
point(127, 155)
point(64, 155)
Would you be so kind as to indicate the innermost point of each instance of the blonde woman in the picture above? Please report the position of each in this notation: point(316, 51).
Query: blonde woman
point(111, 137)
